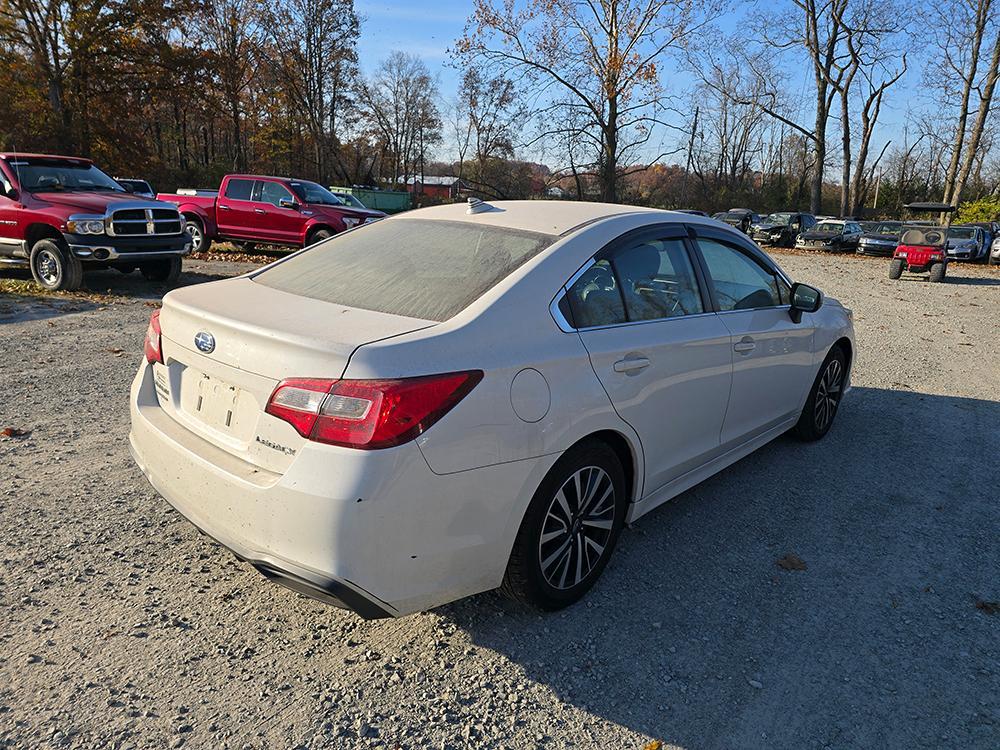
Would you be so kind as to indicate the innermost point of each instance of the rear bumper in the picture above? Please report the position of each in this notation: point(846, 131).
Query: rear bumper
point(376, 532)
point(102, 248)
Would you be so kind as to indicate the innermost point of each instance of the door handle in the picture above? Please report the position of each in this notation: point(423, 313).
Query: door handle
point(744, 345)
point(259, 211)
point(631, 364)
point(223, 208)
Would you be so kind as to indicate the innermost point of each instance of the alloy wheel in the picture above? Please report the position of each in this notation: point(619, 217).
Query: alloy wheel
point(195, 232)
point(577, 528)
point(48, 267)
point(828, 394)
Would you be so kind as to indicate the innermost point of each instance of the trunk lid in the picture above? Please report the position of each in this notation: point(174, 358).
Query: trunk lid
point(249, 338)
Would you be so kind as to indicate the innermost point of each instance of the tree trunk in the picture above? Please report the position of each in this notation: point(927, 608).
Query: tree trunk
point(845, 178)
point(975, 137)
point(963, 113)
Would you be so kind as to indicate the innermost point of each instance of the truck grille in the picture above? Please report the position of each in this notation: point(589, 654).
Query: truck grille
point(129, 222)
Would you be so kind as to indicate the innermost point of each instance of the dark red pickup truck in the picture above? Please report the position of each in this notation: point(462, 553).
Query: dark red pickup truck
point(61, 214)
point(252, 209)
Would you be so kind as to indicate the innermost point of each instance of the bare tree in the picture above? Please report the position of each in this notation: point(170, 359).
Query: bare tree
point(313, 49)
point(399, 105)
point(600, 58)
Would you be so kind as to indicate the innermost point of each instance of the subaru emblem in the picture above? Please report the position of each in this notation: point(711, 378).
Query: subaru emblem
point(205, 342)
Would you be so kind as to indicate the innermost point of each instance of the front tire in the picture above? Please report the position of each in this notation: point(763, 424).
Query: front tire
point(54, 267)
point(824, 397)
point(163, 271)
point(569, 530)
point(895, 268)
point(318, 236)
point(937, 272)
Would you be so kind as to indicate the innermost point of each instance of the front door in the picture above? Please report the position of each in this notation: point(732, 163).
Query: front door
point(772, 356)
point(664, 359)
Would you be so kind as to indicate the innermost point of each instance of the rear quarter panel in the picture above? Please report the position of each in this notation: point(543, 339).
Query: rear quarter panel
point(201, 206)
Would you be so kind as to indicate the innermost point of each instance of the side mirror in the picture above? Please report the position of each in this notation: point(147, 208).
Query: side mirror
point(288, 203)
point(805, 298)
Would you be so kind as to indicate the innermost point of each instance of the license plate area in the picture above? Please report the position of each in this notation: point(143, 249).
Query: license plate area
point(215, 402)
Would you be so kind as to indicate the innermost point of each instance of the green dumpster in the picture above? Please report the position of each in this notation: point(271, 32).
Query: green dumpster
point(390, 201)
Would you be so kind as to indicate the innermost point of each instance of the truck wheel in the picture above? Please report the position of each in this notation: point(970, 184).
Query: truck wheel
point(199, 242)
point(165, 271)
point(895, 268)
point(937, 272)
point(318, 236)
point(54, 267)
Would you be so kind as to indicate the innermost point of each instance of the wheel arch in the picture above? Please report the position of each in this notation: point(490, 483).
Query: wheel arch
point(41, 231)
point(628, 455)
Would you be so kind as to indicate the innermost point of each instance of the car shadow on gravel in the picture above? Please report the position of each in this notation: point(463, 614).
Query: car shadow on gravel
point(697, 636)
point(16, 308)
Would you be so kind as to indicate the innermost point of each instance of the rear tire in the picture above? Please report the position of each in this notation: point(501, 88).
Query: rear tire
point(824, 397)
point(164, 271)
point(54, 267)
point(895, 268)
point(937, 272)
point(199, 241)
point(561, 549)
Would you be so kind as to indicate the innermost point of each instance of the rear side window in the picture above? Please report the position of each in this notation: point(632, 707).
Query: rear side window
point(239, 190)
point(412, 267)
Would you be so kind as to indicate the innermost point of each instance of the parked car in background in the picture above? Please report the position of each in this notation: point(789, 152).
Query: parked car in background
point(969, 242)
point(136, 187)
point(266, 210)
point(992, 230)
point(349, 200)
point(781, 229)
point(60, 215)
point(831, 234)
point(741, 218)
point(336, 420)
point(880, 238)
point(994, 258)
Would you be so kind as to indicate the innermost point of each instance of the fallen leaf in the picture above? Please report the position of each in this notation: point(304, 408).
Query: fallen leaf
point(990, 608)
point(14, 432)
point(116, 351)
point(654, 745)
point(791, 561)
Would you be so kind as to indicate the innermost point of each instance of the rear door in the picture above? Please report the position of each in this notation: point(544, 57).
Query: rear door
point(772, 356)
point(272, 220)
point(233, 209)
point(663, 357)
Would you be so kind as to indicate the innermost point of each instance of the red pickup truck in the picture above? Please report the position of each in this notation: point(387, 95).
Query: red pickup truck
point(251, 209)
point(61, 214)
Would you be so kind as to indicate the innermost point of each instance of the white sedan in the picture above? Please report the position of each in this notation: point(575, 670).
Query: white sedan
point(463, 398)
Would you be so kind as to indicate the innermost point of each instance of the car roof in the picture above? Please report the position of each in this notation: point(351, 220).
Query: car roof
point(543, 217)
point(20, 155)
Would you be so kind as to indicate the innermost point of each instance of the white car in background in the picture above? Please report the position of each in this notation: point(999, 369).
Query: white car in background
point(458, 399)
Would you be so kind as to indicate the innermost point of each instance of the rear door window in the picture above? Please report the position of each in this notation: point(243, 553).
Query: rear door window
point(239, 190)
point(417, 268)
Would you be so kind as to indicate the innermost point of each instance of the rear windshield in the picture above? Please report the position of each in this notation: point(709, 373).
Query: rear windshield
point(412, 267)
point(926, 236)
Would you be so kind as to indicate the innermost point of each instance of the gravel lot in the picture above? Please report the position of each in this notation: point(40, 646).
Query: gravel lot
point(120, 626)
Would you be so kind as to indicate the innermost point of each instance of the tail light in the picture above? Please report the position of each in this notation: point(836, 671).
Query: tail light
point(368, 414)
point(152, 345)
